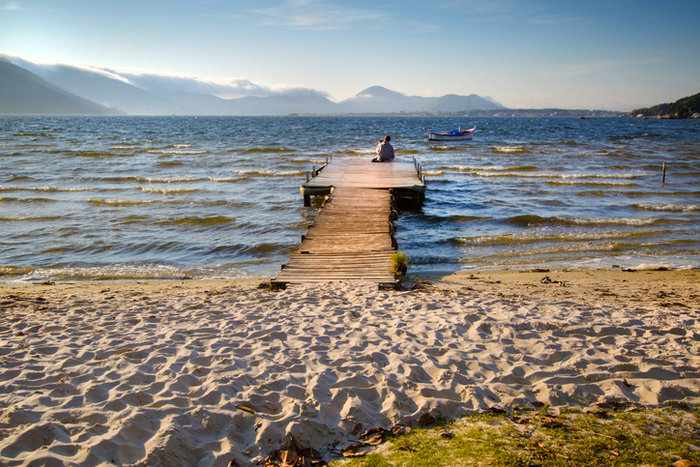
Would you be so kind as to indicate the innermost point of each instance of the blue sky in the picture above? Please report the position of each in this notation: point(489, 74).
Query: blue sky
point(615, 54)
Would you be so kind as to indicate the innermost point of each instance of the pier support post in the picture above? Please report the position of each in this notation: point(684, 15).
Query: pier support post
point(663, 173)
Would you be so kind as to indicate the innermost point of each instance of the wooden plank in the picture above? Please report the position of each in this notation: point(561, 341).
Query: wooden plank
point(357, 173)
point(352, 236)
point(350, 240)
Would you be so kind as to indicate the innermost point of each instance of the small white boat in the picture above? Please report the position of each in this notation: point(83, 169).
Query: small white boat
point(453, 135)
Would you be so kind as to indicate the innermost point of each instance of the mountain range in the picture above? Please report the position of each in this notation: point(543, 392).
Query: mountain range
point(101, 91)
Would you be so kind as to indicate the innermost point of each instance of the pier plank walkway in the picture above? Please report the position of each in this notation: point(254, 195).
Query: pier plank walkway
point(352, 236)
point(351, 173)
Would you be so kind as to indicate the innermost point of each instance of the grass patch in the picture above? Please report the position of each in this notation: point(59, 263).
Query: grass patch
point(399, 263)
point(659, 436)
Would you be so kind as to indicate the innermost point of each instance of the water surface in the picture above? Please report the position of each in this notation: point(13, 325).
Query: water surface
point(218, 197)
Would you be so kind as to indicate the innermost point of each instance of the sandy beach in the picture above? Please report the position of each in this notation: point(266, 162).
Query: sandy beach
point(210, 372)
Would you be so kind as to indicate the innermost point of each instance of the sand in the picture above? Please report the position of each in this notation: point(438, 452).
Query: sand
point(209, 372)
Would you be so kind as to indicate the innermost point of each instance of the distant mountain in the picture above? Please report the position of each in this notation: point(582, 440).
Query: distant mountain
point(22, 92)
point(539, 113)
point(283, 105)
point(378, 99)
point(151, 94)
point(101, 86)
point(683, 108)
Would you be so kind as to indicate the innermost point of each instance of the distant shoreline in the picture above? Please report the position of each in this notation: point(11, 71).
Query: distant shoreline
point(507, 113)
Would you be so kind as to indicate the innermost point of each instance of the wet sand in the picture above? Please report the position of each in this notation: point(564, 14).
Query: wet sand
point(205, 372)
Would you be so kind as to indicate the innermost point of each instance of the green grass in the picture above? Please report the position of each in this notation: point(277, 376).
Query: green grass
point(399, 263)
point(642, 436)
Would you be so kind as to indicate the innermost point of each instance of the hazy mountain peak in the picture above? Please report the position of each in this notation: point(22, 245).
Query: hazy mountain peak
point(378, 91)
point(24, 92)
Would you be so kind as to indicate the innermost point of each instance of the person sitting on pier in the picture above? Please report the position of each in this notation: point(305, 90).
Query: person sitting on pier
point(385, 151)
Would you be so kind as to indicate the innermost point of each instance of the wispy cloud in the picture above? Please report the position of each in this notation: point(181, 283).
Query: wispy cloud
point(10, 6)
point(233, 88)
point(315, 15)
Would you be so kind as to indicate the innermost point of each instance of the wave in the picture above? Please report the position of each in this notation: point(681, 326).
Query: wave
point(306, 161)
point(29, 218)
point(173, 179)
point(527, 220)
point(18, 178)
point(588, 183)
point(510, 149)
point(114, 272)
point(538, 237)
point(95, 154)
point(495, 168)
point(355, 152)
point(141, 179)
point(578, 248)
point(227, 179)
point(177, 152)
point(172, 191)
point(445, 148)
point(270, 173)
point(25, 133)
point(268, 150)
point(407, 151)
point(14, 270)
point(432, 218)
point(667, 207)
point(637, 194)
point(6, 199)
point(55, 189)
point(583, 175)
point(119, 202)
point(197, 220)
point(257, 249)
point(433, 173)
point(135, 219)
point(167, 164)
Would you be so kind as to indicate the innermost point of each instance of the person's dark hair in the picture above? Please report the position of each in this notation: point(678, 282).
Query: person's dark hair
point(387, 138)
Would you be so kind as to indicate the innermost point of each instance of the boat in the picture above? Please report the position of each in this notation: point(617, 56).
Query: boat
point(453, 135)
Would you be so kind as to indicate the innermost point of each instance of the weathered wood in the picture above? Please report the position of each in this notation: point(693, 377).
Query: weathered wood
point(349, 241)
point(351, 238)
point(354, 173)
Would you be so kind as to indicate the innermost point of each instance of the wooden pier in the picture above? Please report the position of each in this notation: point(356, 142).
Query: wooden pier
point(352, 238)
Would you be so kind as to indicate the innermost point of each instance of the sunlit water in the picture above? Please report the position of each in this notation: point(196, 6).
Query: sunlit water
point(209, 197)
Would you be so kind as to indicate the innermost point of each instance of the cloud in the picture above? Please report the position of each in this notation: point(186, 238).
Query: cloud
point(165, 84)
point(173, 84)
point(10, 6)
point(231, 89)
point(319, 15)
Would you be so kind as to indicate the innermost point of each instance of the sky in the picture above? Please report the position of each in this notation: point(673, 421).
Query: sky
point(613, 54)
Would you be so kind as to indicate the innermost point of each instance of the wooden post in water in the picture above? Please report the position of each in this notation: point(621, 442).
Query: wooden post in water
point(663, 173)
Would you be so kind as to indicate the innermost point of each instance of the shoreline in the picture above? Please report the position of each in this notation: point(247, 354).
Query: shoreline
point(163, 372)
point(10, 280)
